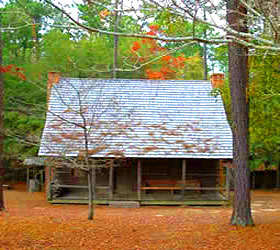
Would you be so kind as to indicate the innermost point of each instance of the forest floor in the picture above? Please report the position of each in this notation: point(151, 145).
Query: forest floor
point(30, 222)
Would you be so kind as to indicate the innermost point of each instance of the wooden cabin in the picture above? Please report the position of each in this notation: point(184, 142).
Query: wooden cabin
point(165, 140)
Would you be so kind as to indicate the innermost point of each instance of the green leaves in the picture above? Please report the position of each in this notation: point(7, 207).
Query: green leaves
point(265, 108)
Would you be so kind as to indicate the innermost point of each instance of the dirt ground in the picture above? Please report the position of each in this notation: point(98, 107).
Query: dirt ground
point(31, 223)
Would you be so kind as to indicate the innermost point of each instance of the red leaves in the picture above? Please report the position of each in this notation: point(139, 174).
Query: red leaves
point(151, 33)
point(6, 69)
point(166, 58)
point(167, 67)
point(154, 75)
point(21, 76)
point(13, 70)
point(136, 46)
point(164, 73)
point(154, 27)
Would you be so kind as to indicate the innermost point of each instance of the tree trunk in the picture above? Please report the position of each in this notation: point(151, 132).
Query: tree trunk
point(238, 73)
point(116, 42)
point(91, 192)
point(1, 126)
point(90, 195)
point(205, 68)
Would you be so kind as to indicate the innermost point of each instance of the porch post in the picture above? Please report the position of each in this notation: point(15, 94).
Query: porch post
point(111, 182)
point(49, 183)
point(41, 180)
point(93, 173)
point(27, 179)
point(184, 170)
point(139, 177)
point(278, 177)
point(227, 182)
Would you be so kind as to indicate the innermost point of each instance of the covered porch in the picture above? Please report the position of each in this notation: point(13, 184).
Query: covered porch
point(147, 181)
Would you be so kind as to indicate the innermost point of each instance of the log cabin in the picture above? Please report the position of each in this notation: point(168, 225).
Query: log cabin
point(149, 141)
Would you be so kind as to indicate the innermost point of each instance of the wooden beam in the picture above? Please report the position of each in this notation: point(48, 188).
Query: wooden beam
point(93, 172)
point(77, 200)
point(184, 171)
point(139, 177)
point(181, 188)
point(111, 182)
point(41, 180)
point(27, 179)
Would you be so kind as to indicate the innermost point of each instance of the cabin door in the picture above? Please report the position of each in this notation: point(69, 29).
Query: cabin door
point(124, 180)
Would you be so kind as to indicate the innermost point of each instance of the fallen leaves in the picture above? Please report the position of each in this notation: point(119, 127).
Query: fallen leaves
point(32, 223)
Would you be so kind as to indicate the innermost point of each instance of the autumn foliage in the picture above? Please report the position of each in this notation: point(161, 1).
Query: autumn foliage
point(166, 67)
point(13, 70)
point(104, 13)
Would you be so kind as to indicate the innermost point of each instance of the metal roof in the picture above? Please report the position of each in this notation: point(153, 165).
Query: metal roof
point(34, 161)
point(136, 118)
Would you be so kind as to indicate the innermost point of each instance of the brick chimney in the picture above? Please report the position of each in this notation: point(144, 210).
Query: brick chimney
point(217, 80)
point(53, 78)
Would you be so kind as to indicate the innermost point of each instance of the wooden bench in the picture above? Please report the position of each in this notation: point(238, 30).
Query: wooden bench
point(6, 186)
point(171, 185)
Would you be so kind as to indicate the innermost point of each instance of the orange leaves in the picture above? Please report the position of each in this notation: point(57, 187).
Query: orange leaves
point(97, 150)
point(13, 70)
point(116, 153)
point(151, 33)
point(166, 67)
point(136, 46)
point(181, 59)
point(150, 149)
point(166, 58)
point(36, 224)
point(154, 75)
point(104, 13)
point(154, 28)
point(163, 74)
point(72, 136)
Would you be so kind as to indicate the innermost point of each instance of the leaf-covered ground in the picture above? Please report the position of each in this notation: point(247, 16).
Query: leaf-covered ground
point(31, 223)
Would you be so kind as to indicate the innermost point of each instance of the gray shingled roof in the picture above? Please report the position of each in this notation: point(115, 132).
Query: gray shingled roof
point(136, 118)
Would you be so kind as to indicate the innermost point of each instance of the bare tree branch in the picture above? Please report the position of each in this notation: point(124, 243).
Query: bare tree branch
point(250, 40)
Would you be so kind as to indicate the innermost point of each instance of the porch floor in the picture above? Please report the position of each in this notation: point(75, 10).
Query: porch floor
point(151, 197)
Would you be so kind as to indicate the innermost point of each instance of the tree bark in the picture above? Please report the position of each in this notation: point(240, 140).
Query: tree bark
point(91, 191)
point(90, 195)
point(2, 207)
point(238, 73)
point(116, 42)
point(205, 68)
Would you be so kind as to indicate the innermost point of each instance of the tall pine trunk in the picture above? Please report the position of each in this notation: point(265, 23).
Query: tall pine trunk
point(116, 41)
point(238, 75)
point(1, 125)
